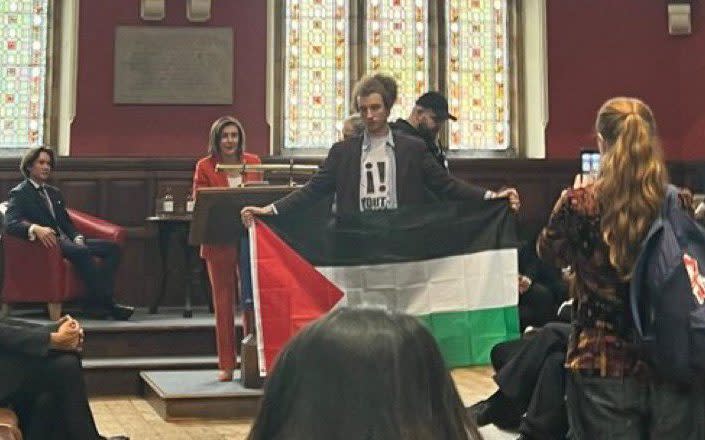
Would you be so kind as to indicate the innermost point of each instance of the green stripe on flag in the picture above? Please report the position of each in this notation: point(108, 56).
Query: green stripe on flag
point(466, 338)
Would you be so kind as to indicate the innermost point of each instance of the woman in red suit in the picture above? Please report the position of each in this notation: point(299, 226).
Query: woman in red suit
point(226, 145)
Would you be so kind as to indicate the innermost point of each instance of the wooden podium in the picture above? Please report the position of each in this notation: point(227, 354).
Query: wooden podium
point(216, 220)
point(216, 215)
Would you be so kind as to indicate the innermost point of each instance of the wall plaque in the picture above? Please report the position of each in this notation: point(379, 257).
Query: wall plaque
point(173, 65)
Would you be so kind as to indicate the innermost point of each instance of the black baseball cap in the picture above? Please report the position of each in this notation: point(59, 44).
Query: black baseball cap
point(436, 102)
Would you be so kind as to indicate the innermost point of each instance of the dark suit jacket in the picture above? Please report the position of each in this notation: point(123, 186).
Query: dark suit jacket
point(19, 340)
point(26, 206)
point(417, 171)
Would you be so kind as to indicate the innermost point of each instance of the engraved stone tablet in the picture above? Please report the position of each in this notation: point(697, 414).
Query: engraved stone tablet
point(173, 65)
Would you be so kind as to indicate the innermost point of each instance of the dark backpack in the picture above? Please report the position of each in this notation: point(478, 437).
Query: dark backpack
point(666, 300)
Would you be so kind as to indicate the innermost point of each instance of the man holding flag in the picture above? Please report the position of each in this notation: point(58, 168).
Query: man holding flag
point(381, 170)
point(454, 266)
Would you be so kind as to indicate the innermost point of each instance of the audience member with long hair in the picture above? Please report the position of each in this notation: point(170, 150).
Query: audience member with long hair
point(226, 145)
point(362, 374)
point(596, 228)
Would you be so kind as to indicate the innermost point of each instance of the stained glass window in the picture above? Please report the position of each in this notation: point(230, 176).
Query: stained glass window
point(397, 44)
point(316, 73)
point(478, 74)
point(23, 52)
point(321, 60)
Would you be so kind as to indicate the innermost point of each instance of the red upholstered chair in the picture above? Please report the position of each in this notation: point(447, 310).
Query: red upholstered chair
point(35, 274)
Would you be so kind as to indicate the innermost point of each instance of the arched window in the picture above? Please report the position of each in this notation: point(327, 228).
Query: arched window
point(461, 48)
point(24, 39)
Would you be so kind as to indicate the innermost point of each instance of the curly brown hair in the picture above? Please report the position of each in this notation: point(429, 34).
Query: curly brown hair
point(633, 178)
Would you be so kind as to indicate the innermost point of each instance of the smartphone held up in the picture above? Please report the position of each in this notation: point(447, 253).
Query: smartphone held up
point(590, 163)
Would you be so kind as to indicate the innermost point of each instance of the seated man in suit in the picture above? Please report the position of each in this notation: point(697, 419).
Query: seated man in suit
point(380, 170)
point(41, 378)
point(37, 211)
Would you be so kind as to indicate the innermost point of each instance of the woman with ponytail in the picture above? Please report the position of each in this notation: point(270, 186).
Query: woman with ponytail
point(596, 228)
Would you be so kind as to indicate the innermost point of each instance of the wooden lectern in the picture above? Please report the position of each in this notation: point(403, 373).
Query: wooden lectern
point(216, 215)
point(216, 220)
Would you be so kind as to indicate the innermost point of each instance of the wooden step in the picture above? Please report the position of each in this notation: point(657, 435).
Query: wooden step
point(197, 394)
point(121, 376)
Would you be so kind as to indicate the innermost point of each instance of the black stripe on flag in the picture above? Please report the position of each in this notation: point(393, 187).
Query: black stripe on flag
point(409, 233)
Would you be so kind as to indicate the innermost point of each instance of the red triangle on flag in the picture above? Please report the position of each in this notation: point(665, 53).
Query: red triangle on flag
point(291, 292)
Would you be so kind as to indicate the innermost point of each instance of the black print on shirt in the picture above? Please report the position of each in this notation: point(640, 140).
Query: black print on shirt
point(376, 187)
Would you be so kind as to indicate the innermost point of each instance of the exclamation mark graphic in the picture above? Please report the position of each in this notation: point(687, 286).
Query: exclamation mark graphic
point(370, 181)
point(382, 176)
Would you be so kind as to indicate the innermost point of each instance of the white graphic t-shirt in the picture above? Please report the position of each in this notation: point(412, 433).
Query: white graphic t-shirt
point(377, 175)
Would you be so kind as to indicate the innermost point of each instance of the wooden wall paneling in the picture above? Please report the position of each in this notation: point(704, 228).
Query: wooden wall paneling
point(82, 195)
point(125, 205)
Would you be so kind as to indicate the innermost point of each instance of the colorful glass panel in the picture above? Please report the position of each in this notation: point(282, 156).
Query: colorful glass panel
point(316, 72)
point(397, 45)
point(478, 74)
point(23, 54)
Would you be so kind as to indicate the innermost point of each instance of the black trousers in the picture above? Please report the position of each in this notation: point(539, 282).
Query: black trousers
point(51, 402)
point(531, 374)
point(537, 306)
point(99, 278)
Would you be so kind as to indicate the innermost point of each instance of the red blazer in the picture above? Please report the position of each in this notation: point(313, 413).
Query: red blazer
point(207, 176)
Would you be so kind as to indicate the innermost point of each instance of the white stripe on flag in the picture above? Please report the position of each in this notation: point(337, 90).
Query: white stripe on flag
point(252, 232)
point(477, 281)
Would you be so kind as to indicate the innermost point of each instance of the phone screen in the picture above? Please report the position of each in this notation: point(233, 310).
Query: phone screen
point(590, 162)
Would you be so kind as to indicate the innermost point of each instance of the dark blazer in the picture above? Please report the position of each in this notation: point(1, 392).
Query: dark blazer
point(417, 171)
point(26, 207)
point(19, 340)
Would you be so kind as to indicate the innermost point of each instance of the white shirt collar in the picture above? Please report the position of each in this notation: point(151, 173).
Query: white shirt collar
point(367, 139)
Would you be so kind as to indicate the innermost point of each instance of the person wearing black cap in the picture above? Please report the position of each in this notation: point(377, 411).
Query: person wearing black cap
point(425, 122)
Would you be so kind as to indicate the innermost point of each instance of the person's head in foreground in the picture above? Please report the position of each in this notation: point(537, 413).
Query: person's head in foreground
point(361, 373)
point(633, 177)
point(353, 126)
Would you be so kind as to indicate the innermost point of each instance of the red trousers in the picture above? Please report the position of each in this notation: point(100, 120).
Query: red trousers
point(221, 262)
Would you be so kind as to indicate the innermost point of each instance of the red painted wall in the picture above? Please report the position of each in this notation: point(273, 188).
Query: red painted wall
point(596, 49)
point(604, 48)
point(691, 86)
point(104, 129)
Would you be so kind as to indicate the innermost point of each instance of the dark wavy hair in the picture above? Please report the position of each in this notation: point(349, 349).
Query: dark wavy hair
point(32, 155)
point(361, 373)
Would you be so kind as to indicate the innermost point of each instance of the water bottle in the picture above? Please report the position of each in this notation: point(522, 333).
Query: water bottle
point(189, 203)
point(168, 202)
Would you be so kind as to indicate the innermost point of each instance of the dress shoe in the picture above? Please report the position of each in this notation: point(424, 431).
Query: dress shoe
point(225, 375)
point(479, 412)
point(121, 312)
point(498, 410)
point(115, 437)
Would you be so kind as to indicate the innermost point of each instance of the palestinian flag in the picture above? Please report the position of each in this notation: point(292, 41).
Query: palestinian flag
point(453, 265)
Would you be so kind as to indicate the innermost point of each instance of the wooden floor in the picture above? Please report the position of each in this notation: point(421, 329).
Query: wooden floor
point(134, 416)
